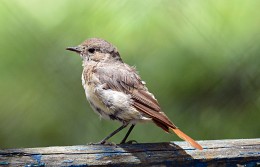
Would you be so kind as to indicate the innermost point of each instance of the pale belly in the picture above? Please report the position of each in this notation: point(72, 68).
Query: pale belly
point(120, 109)
point(96, 103)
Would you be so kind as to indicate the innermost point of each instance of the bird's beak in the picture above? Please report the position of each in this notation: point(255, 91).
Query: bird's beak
point(74, 49)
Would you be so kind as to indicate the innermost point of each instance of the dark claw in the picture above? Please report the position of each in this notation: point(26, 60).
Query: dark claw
point(103, 143)
point(129, 142)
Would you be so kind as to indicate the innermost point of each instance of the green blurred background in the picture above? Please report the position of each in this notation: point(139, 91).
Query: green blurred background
point(200, 59)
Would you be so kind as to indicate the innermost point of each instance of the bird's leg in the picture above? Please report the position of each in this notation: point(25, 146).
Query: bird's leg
point(112, 134)
point(127, 134)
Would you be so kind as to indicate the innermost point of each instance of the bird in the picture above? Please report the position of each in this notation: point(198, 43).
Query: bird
point(115, 91)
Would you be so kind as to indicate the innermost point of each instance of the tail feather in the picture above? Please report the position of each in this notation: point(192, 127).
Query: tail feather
point(187, 138)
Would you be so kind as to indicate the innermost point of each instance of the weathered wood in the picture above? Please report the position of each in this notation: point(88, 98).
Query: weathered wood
point(241, 152)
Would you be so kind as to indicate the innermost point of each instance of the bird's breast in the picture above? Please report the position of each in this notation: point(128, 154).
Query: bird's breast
point(110, 104)
point(91, 95)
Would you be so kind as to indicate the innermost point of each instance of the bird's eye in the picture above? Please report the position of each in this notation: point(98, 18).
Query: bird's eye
point(91, 50)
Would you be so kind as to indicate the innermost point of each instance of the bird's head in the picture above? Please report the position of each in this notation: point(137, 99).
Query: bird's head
point(96, 49)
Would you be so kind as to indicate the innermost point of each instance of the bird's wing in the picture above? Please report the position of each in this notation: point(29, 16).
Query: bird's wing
point(124, 78)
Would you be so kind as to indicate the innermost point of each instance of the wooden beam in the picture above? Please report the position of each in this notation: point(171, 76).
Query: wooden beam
point(240, 152)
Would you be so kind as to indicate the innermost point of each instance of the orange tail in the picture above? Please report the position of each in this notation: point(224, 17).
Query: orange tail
point(187, 138)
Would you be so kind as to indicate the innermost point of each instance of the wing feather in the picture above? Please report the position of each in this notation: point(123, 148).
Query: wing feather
point(125, 79)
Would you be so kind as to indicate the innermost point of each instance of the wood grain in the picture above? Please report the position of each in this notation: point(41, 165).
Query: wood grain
point(235, 152)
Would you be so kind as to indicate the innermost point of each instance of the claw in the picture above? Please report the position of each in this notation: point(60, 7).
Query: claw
point(129, 142)
point(103, 143)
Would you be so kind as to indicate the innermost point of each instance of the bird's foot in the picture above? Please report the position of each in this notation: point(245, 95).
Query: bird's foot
point(103, 143)
point(129, 142)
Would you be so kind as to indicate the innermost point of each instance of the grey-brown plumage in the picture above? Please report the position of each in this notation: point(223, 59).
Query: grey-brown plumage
point(115, 91)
